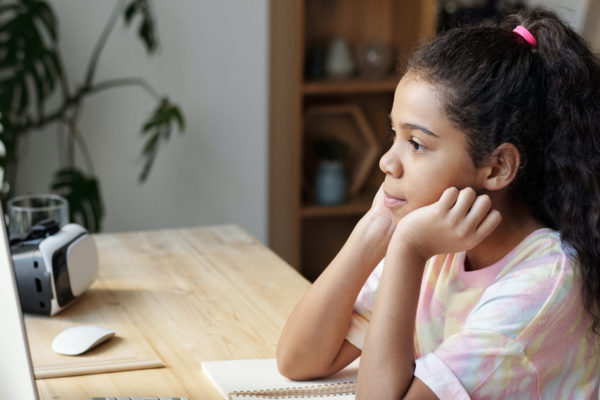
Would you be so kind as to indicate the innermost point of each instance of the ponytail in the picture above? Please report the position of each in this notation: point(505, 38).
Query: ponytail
point(545, 99)
point(572, 154)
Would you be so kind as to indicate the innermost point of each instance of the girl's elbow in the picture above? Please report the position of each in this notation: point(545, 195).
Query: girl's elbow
point(285, 365)
point(296, 368)
point(291, 369)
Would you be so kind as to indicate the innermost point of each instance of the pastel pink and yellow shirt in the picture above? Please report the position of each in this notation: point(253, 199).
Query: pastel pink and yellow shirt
point(514, 330)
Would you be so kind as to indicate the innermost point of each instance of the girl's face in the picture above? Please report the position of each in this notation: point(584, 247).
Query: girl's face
point(428, 154)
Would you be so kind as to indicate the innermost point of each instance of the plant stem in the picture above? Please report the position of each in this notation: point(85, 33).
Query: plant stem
point(55, 115)
point(76, 135)
point(111, 83)
point(66, 92)
point(110, 24)
point(64, 83)
point(88, 90)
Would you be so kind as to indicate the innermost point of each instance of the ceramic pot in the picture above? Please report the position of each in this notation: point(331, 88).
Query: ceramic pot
point(374, 59)
point(339, 63)
point(330, 183)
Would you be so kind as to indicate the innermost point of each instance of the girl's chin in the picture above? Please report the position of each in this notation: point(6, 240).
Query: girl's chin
point(400, 213)
point(396, 217)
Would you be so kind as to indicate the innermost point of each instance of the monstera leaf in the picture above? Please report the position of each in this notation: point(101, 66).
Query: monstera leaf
point(29, 71)
point(8, 139)
point(158, 128)
point(29, 65)
point(147, 29)
point(83, 194)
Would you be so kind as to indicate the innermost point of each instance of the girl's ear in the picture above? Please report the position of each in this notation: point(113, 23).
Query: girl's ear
point(502, 167)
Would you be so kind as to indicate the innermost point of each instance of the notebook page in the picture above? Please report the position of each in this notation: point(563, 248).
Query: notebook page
point(261, 374)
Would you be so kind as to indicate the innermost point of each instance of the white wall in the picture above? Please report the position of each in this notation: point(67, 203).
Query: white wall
point(213, 60)
point(591, 26)
point(572, 11)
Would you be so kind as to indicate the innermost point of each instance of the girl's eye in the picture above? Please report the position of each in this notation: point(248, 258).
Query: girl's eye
point(416, 146)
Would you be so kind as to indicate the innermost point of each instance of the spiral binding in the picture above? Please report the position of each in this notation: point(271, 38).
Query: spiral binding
point(325, 390)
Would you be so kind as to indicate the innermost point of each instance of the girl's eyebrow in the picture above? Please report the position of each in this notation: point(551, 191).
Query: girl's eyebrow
point(409, 126)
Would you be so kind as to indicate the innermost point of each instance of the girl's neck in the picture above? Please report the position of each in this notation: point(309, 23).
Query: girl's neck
point(517, 223)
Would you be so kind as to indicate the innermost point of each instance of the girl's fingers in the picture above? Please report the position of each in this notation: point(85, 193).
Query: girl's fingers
point(480, 208)
point(448, 198)
point(490, 222)
point(464, 203)
point(477, 213)
point(482, 218)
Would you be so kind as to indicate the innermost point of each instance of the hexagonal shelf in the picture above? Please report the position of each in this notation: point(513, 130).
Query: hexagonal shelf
point(347, 123)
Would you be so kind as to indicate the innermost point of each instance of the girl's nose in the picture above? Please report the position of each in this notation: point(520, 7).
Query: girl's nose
point(390, 164)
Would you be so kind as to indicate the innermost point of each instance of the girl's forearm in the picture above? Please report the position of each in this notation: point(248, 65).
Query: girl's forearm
point(387, 361)
point(313, 337)
point(458, 221)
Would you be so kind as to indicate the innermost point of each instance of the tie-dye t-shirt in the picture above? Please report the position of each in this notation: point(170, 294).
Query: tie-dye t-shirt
point(514, 330)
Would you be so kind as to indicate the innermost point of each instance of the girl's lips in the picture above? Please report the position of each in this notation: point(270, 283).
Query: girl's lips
point(391, 201)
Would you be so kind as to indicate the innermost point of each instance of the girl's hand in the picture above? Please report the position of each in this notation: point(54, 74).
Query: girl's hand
point(378, 207)
point(379, 218)
point(458, 221)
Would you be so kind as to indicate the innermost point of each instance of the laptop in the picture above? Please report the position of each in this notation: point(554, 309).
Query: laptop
point(16, 371)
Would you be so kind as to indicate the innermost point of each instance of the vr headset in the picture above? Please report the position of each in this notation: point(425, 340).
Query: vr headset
point(53, 266)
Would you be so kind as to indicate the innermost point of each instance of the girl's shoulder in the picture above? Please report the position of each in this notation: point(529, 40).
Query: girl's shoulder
point(541, 281)
point(541, 255)
point(541, 266)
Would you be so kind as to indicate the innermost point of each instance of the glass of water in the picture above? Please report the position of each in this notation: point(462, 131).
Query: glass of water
point(26, 211)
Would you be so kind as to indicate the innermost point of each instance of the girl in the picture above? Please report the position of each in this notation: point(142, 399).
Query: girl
point(488, 222)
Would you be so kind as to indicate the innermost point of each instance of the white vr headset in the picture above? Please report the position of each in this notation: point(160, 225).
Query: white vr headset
point(53, 266)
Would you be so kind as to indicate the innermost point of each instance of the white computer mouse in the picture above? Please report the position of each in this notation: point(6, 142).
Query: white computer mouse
point(79, 339)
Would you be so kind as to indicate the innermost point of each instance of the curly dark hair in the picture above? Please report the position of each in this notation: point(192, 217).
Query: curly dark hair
point(545, 99)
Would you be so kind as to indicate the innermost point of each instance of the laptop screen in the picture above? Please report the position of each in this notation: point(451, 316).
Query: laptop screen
point(16, 373)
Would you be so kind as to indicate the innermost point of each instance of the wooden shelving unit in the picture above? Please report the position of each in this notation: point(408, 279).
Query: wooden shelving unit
point(305, 234)
point(357, 205)
point(349, 86)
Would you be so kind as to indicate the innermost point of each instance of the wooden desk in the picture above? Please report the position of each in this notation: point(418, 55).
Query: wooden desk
point(195, 294)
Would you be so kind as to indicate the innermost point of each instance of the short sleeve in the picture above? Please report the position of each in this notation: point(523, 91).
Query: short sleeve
point(439, 378)
point(486, 356)
point(484, 363)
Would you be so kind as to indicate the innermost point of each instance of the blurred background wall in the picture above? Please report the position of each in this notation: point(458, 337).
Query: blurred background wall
point(212, 61)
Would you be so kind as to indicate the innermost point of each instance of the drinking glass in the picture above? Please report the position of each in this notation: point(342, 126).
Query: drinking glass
point(26, 211)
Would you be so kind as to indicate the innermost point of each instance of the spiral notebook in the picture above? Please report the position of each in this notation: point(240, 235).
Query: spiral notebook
point(259, 379)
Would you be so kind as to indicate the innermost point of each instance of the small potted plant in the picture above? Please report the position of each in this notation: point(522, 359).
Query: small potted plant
point(330, 182)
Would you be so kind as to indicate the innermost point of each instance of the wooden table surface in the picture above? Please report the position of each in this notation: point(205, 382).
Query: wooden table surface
point(197, 294)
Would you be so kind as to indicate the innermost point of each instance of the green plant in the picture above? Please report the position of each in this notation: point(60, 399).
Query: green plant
point(32, 71)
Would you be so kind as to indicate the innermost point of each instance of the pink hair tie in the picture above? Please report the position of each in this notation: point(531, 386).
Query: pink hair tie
point(525, 34)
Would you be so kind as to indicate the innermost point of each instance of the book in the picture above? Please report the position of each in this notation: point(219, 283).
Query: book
point(260, 379)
